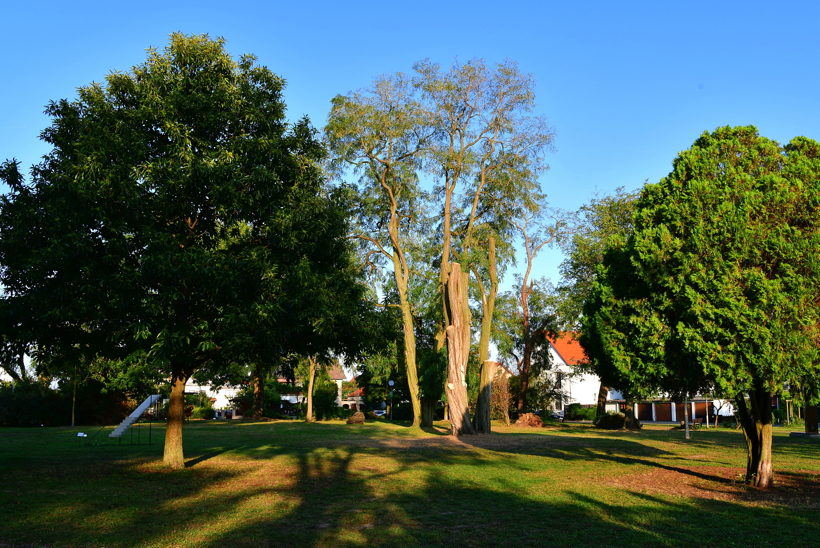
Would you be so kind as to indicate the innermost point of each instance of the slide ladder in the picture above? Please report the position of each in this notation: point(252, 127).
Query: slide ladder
point(133, 417)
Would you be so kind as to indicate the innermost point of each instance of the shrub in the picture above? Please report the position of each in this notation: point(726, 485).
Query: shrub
point(203, 406)
point(576, 412)
point(203, 412)
point(32, 404)
point(612, 421)
point(324, 401)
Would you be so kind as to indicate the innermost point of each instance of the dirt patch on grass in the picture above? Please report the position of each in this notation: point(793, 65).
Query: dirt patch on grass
point(798, 489)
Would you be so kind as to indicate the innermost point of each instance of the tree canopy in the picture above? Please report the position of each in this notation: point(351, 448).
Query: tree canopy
point(718, 285)
point(179, 223)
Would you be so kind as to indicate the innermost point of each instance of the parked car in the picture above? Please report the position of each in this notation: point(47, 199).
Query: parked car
point(557, 415)
point(379, 412)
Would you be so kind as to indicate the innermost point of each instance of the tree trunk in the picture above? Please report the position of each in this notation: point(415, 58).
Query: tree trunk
point(174, 456)
point(410, 358)
point(686, 418)
point(811, 419)
point(631, 412)
point(483, 405)
point(458, 349)
point(258, 392)
point(756, 419)
point(401, 274)
point(428, 409)
point(311, 380)
point(524, 383)
point(603, 394)
point(526, 356)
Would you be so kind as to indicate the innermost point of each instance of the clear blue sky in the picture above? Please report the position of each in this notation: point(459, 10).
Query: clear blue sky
point(626, 85)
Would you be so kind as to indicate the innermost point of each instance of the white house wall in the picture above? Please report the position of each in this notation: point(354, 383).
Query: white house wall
point(579, 388)
point(223, 396)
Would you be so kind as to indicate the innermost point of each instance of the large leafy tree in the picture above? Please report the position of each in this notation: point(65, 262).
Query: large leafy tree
point(530, 311)
point(178, 224)
point(486, 156)
point(380, 134)
point(597, 222)
point(718, 285)
point(469, 128)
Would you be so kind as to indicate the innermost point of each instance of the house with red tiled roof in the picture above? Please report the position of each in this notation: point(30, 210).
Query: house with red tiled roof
point(566, 352)
point(565, 355)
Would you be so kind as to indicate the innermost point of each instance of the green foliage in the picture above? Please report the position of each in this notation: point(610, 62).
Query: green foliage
point(432, 372)
point(189, 224)
point(35, 404)
point(32, 404)
point(273, 390)
point(324, 399)
point(203, 406)
point(718, 283)
point(377, 369)
point(402, 412)
point(717, 287)
point(598, 221)
point(575, 411)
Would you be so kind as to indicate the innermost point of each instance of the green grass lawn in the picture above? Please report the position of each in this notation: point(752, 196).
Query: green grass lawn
point(332, 484)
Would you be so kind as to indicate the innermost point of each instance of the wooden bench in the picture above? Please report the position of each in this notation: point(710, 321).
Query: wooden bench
point(694, 423)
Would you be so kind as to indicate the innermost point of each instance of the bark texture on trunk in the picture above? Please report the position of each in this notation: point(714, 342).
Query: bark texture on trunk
point(428, 410)
point(756, 419)
point(631, 412)
point(603, 394)
point(410, 358)
point(173, 455)
point(458, 349)
point(258, 392)
point(485, 387)
point(686, 418)
point(311, 380)
point(484, 405)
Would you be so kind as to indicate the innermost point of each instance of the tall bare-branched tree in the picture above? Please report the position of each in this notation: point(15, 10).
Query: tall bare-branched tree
point(484, 133)
point(380, 134)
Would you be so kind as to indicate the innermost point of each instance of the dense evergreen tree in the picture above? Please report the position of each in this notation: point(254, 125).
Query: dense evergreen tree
point(718, 285)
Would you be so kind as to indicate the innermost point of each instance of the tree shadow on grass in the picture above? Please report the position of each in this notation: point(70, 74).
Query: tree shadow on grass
point(202, 458)
point(337, 507)
point(260, 489)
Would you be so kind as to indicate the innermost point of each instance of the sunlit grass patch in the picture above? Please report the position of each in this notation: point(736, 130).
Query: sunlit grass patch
point(383, 484)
